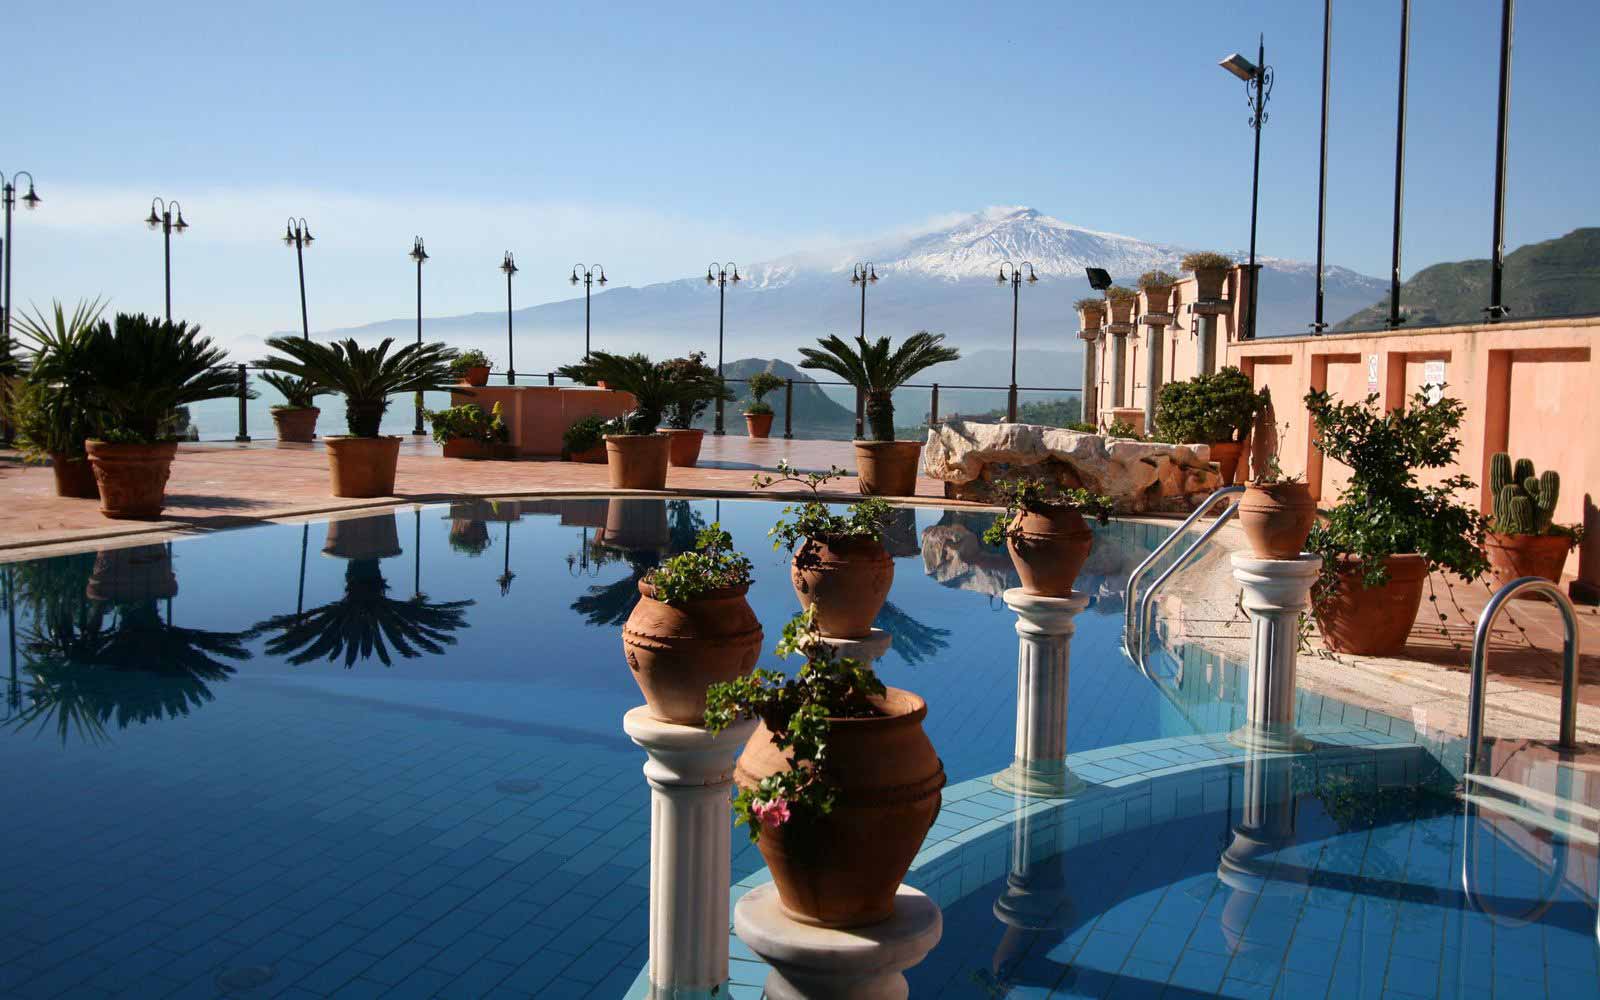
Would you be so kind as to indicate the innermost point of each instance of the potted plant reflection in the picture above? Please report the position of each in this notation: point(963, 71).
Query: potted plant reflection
point(639, 533)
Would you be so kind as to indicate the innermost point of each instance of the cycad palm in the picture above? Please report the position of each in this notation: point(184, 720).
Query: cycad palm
point(365, 376)
point(872, 368)
point(655, 388)
point(142, 370)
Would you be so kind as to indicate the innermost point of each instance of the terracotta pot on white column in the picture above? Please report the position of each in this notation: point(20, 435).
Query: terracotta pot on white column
point(1275, 592)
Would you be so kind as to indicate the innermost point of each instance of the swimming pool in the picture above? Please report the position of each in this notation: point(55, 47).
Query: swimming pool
point(383, 755)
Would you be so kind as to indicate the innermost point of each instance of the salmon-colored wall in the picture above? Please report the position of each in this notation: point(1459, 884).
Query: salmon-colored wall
point(537, 415)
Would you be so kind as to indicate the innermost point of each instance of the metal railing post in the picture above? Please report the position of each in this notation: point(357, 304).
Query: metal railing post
point(1480, 663)
point(244, 395)
point(933, 411)
point(788, 409)
point(1011, 404)
point(860, 408)
point(551, 378)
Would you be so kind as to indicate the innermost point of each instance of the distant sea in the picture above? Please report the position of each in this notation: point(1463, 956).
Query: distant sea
point(218, 419)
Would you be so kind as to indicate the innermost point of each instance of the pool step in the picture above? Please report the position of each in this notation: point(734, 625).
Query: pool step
point(1536, 808)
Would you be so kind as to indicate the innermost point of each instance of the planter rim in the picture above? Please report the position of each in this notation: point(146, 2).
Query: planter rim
point(285, 408)
point(667, 430)
point(631, 437)
point(905, 708)
point(361, 437)
point(647, 589)
point(98, 443)
point(1498, 535)
point(865, 443)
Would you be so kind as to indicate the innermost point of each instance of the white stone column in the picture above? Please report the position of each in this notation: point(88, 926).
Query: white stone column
point(690, 773)
point(1091, 390)
point(1154, 356)
point(1276, 591)
point(819, 963)
point(1207, 346)
point(1119, 365)
point(1044, 645)
point(867, 649)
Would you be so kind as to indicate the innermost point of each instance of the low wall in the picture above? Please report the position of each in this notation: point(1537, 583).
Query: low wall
point(537, 415)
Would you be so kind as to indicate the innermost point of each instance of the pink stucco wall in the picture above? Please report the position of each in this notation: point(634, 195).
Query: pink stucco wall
point(538, 415)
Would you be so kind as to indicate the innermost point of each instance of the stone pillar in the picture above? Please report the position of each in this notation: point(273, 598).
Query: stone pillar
point(1044, 627)
point(1153, 359)
point(690, 773)
point(1249, 864)
point(1091, 393)
point(1207, 346)
point(1119, 364)
point(1035, 906)
point(819, 963)
point(1276, 591)
point(867, 649)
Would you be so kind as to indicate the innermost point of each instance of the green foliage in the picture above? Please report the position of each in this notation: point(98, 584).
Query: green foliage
point(365, 376)
point(758, 408)
point(798, 713)
point(877, 372)
point(1036, 496)
point(1205, 260)
point(656, 389)
point(760, 383)
point(1383, 510)
point(701, 387)
point(1208, 409)
point(51, 406)
point(812, 519)
point(1525, 503)
point(1121, 293)
point(1080, 426)
point(713, 564)
point(469, 358)
point(140, 371)
point(1090, 305)
point(582, 435)
point(297, 393)
point(469, 422)
point(1122, 429)
point(1154, 280)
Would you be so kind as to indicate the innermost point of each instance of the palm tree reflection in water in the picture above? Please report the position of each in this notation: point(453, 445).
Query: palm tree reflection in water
point(608, 605)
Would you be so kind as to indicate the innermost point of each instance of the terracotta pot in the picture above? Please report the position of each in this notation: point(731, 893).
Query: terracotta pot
point(758, 425)
point(135, 573)
point(132, 477)
point(1276, 518)
point(842, 869)
point(635, 526)
point(1226, 455)
point(1373, 621)
point(74, 477)
point(888, 468)
point(1209, 281)
point(371, 537)
point(1121, 309)
point(848, 580)
point(1049, 550)
point(470, 448)
point(476, 375)
point(1158, 300)
point(297, 424)
point(363, 466)
point(677, 650)
point(593, 456)
point(1514, 556)
point(638, 461)
point(684, 449)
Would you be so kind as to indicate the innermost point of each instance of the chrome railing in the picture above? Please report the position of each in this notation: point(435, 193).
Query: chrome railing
point(1568, 739)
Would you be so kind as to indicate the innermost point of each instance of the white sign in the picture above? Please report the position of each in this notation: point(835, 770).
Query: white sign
point(1372, 374)
point(1433, 380)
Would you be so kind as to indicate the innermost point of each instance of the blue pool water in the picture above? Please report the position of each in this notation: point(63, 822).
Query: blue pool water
point(384, 757)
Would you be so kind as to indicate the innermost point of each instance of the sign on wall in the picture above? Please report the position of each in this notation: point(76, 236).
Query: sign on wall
point(1372, 374)
point(1433, 380)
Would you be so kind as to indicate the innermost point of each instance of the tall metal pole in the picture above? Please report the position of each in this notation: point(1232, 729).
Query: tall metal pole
point(1318, 325)
point(722, 315)
point(1255, 182)
point(165, 221)
point(1497, 307)
point(509, 266)
point(300, 261)
point(8, 195)
point(1399, 163)
point(862, 274)
point(586, 315)
point(166, 240)
point(419, 254)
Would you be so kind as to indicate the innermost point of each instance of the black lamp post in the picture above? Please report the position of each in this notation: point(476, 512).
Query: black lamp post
point(419, 255)
point(717, 274)
point(509, 266)
point(30, 201)
point(590, 276)
point(1257, 77)
point(1011, 272)
point(298, 235)
point(863, 274)
point(169, 220)
point(1497, 308)
point(1395, 319)
point(1318, 325)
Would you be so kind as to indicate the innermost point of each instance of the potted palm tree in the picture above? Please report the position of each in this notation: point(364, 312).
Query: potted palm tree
point(363, 463)
point(50, 406)
point(1523, 538)
point(702, 386)
point(1210, 270)
point(140, 372)
point(296, 417)
point(471, 367)
point(758, 412)
point(636, 452)
point(885, 467)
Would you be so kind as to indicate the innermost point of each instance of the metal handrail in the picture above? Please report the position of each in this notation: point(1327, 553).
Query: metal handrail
point(1568, 739)
point(1134, 605)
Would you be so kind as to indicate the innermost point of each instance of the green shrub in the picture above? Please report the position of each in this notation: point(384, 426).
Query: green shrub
point(1205, 260)
point(714, 564)
point(1208, 409)
point(1121, 293)
point(760, 384)
point(702, 386)
point(1039, 497)
point(583, 435)
point(469, 358)
point(1156, 279)
point(470, 423)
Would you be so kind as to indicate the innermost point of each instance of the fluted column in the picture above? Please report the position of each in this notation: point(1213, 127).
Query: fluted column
point(1207, 346)
point(1153, 360)
point(690, 772)
point(1119, 366)
point(1091, 393)
point(1275, 592)
point(1044, 645)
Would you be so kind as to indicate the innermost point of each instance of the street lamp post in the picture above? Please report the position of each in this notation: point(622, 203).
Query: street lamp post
point(419, 255)
point(1317, 325)
point(590, 276)
point(1395, 318)
point(717, 274)
point(863, 274)
point(1257, 77)
point(168, 221)
point(1011, 272)
point(298, 235)
point(509, 266)
point(30, 201)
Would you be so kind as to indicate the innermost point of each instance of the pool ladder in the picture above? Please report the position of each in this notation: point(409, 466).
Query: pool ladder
point(1136, 614)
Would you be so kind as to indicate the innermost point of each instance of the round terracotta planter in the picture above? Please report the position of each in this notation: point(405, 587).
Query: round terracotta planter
point(1049, 550)
point(635, 526)
point(684, 448)
point(846, 579)
point(296, 424)
point(362, 466)
point(135, 573)
point(1209, 281)
point(676, 651)
point(374, 537)
point(132, 477)
point(638, 461)
point(74, 477)
point(477, 375)
point(1276, 518)
point(1226, 455)
point(592, 456)
point(1373, 621)
point(842, 869)
point(888, 468)
point(758, 425)
point(1512, 557)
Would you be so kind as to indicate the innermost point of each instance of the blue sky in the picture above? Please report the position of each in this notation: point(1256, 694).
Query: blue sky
point(652, 138)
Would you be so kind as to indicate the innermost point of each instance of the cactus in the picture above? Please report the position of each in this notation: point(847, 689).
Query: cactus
point(1522, 471)
point(1502, 504)
point(1524, 502)
point(1549, 493)
point(1519, 516)
point(1499, 472)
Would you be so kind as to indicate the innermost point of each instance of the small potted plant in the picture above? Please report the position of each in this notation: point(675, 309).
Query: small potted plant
point(1044, 530)
point(296, 417)
point(692, 627)
point(1523, 538)
point(585, 441)
point(840, 566)
point(1157, 288)
point(141, 371)
point(466, 431)
point(1210, 270)
point(469, 535)
point(884, 466)
point(702, 386)
point(471, 367)
point(1277, 511)
point(636, 451)
point(1388, 531)
point(758, 412)
point(1120, 300)
point(1091, 314)
point(363, 463)
point(838, 785)
point(51, 407)
point(1216, 410)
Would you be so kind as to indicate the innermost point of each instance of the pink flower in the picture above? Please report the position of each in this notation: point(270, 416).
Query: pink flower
point(771, 814)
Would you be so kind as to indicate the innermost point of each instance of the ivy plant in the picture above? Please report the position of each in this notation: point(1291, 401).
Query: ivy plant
point(1037, 496)
point(713, 564)
point(812, 519)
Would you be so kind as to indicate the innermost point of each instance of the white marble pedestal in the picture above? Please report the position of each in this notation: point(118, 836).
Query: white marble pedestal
point(1044, 628)
point(1276, 591)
